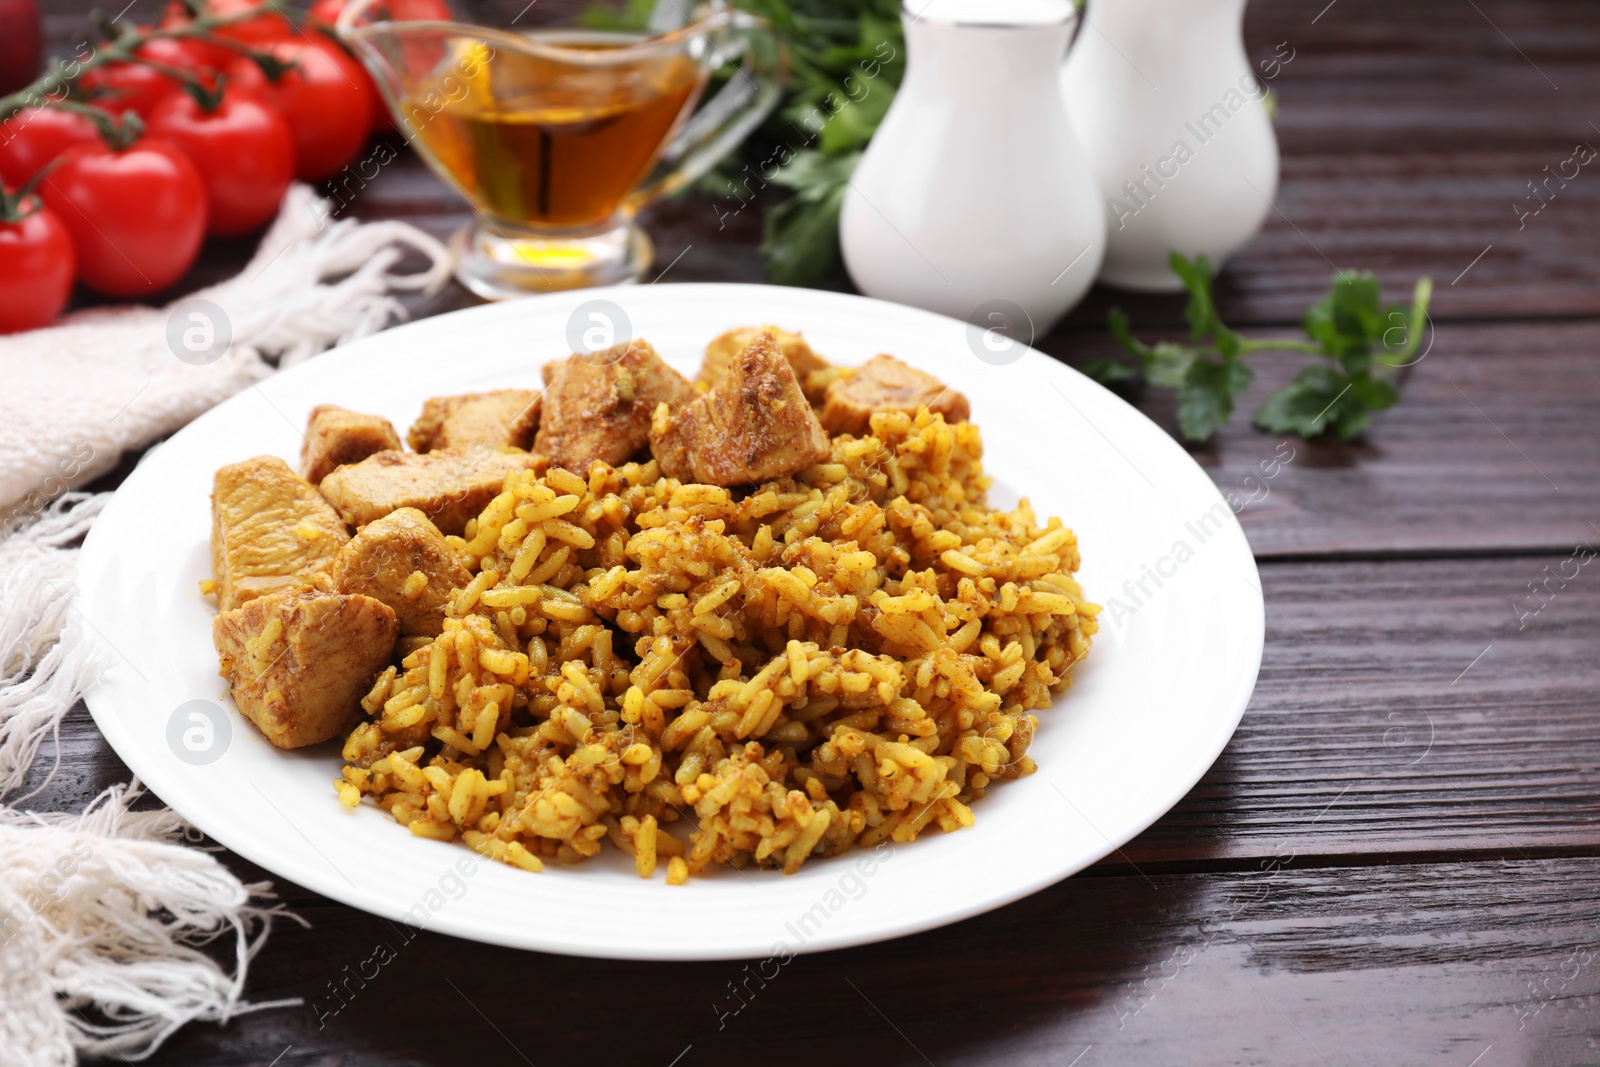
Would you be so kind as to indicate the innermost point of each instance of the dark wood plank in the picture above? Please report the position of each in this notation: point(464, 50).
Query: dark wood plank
point(1431, 75)
point(1367, 735)
point(1492, 448)
point(1407, 707)
point(1407, 964)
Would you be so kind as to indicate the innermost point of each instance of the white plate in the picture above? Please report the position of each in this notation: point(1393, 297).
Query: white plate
point(1160, 694)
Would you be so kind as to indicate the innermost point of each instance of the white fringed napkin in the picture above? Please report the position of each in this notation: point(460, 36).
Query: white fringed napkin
point(104, 915)
point(106, 381)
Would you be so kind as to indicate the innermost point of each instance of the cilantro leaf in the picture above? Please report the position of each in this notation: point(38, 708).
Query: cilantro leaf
point(1205, 399)
point(1322, 399)
point(1170, 365)
point(1196, 278)
point(1110, 371)
point(631, 15)
point(1117, 321)
point(1358, 342)
point(800, 237)
point(1348, 322)
point(846, 61)
point(1302, 406)
point(1407, 328)
point(1208, 375)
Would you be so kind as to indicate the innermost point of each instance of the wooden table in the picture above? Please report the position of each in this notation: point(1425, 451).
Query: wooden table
point(1397, 858)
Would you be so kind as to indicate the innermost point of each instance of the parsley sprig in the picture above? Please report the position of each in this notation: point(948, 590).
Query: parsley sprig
point(847, 60)
point(1359, 343)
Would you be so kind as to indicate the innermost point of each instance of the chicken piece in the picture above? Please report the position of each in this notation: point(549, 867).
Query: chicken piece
point(403, 560)
point(503, 417)
point(598, 407)
point(448, 485)
point(299, 663)
point(883, 383)
point(809, 368)
point(270, 531)
point(336, 436)
point(753, 427)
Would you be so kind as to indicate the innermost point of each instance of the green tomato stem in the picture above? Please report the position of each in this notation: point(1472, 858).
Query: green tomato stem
point(122, 49)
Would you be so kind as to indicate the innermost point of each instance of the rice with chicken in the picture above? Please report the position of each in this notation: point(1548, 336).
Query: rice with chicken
point(706, 675)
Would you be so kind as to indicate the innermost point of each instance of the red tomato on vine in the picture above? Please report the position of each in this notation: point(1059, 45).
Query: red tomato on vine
point(324, 99)
point(263, 29)
point(137, 215)
point(243, 150)
point(37, 263)
point(119, 87)
point(36, 135)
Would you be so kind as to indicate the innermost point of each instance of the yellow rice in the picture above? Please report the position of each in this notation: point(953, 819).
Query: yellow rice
point(701, 675)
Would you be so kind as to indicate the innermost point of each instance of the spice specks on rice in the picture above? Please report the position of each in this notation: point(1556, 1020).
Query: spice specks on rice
point(707, 675)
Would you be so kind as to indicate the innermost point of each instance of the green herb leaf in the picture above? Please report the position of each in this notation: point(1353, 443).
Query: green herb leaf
point(1169, 365)
point(1110, 371)
point(800, 237)
point(1348, 322)
point(1302, 407)
point(631, 15)
point(1204, 402)
point(1359, 341)
point(847, 58)
point(1117, 320)
point(1407, 326)
point(1196, 278)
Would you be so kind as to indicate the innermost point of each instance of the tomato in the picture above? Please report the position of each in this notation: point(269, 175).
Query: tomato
point(211, 56)
point(137, 216)
point(36, 267)
point(264, 29)
point(326, 13)
point(36, 135)
point(119, 87)
point(324, 101)
point(323, 15)
point(243, 150)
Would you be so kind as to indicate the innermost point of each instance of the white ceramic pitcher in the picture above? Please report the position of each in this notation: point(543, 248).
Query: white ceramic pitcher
point(1170, 113)
point(974, 188)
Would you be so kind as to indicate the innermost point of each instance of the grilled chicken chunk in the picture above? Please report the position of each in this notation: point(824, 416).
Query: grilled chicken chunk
point(270, 531)
point(809, 368)
point(883, 383)
point(502, 417)
point(299, 663)
point(403, 560)
point(336, 436)
point(449, 485)
point(753, 427)
point(599, 407)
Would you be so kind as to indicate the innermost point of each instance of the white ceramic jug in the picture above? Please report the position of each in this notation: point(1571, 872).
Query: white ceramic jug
point(1170, 113)
point(974, 188)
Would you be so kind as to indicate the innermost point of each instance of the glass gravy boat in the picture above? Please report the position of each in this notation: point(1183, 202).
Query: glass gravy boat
point(557, 136)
